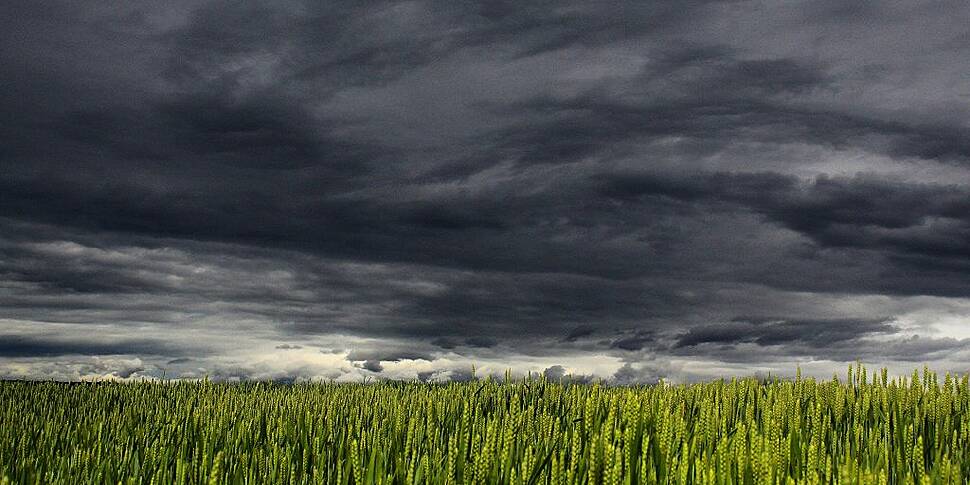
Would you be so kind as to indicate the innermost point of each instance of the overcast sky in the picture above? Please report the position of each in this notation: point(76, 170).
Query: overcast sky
point(336, 190)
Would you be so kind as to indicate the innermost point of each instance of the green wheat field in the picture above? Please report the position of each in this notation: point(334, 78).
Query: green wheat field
point(859, 428)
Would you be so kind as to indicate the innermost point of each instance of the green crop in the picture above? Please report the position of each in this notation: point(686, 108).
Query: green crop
point(862, 429)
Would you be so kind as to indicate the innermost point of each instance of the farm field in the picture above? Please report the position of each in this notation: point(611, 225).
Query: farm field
point(859, 428)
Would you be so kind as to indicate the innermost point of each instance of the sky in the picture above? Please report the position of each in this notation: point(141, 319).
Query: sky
point(409, 190)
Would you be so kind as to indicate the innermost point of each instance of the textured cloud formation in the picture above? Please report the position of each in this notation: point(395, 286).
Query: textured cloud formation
point(344, 190)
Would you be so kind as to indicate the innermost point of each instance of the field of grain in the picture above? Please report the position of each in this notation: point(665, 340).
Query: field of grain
point(861, 428)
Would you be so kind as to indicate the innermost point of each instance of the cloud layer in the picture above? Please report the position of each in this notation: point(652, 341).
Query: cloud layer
point(291, 190)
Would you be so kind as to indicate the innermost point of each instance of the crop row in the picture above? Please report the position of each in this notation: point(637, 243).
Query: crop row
point(863, 428)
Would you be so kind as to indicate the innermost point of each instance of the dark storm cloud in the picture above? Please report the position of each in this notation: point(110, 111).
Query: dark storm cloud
point(768, 331)
point(24, 346)
point(424, 181)
point(633, 342)
point(702, 93)
point(905, 219)
point(902, 349)
point(579, 332)
point(388, 354)
point(557, 131)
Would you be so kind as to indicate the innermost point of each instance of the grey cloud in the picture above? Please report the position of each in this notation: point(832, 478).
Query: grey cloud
point(460, 181)
point(749, 340)
point(86, 368)
point(579, 332)
point(558, 373)
point(554, 373)
point(447, 375)
point(917, 349)
point(388, 353)
point(905, 220)
point(483, 341)
point(769, 331)
point(12, 345)
point(633, 342)
point(636, 375)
